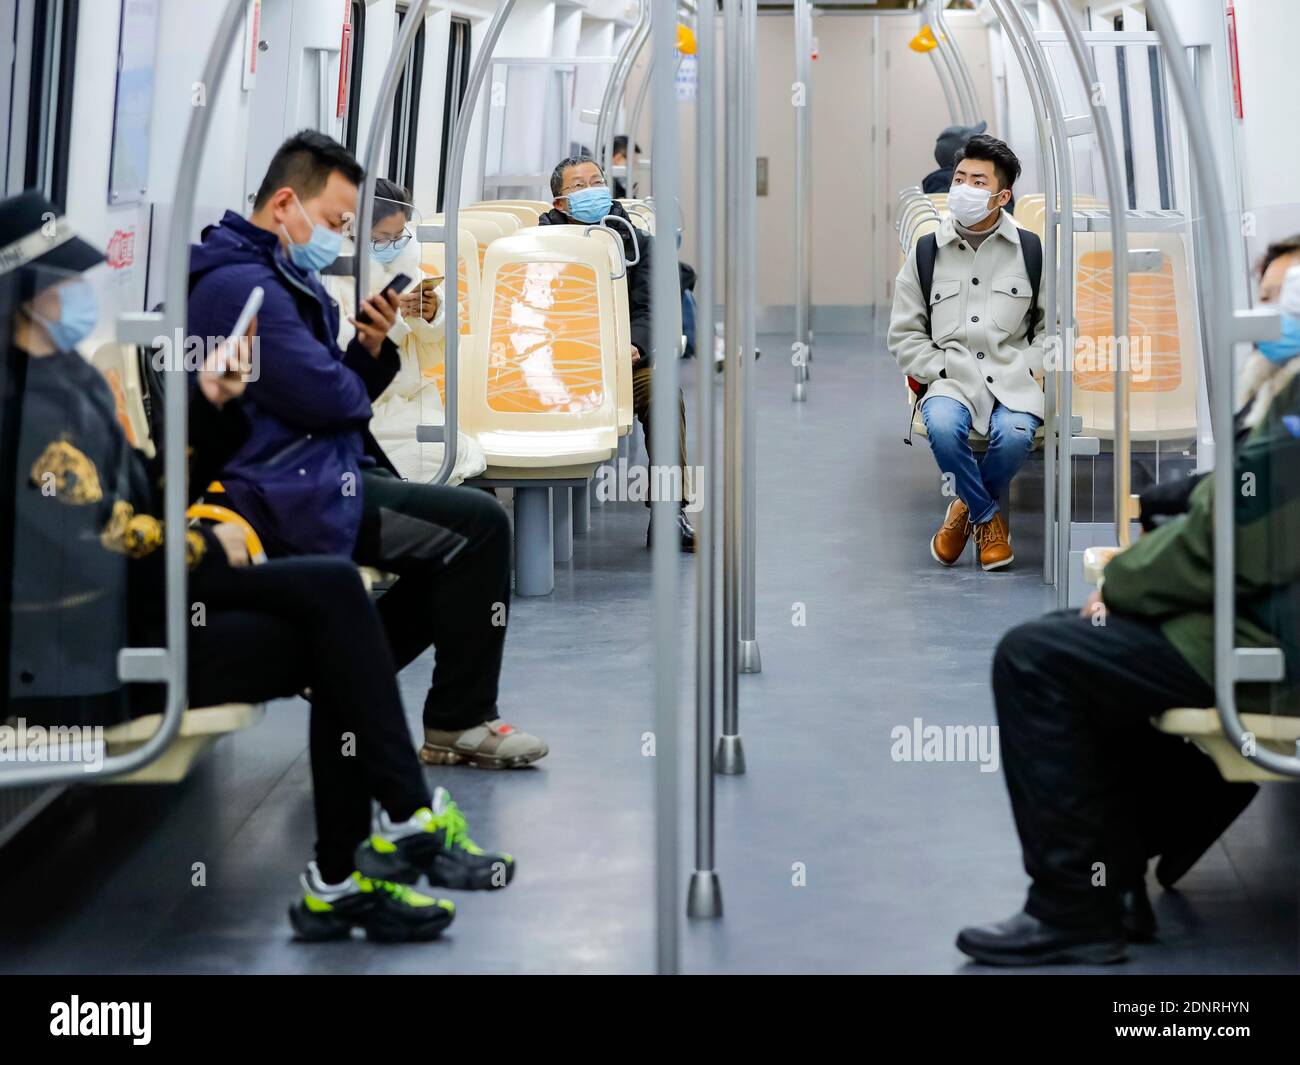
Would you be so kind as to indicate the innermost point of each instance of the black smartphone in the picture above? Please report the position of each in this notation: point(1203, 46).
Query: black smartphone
point(395, 287)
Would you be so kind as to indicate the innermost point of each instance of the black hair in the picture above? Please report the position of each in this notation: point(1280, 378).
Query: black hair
point(1276, 250)
point(557, 175)
point(304, 163)
point(390, 198)
point(1006, 166)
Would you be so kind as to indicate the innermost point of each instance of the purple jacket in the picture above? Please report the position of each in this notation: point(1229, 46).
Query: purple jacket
point(297, 477)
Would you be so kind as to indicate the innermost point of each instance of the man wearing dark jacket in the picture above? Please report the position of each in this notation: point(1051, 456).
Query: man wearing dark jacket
point(581, 197)
point(1095, 789)
point(312, 480)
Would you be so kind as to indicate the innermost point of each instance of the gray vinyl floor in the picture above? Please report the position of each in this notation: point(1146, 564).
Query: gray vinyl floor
point(832, 856)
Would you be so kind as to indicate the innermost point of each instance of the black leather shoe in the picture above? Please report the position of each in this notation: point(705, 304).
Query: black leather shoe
point(684, 529)
point(1138, 918)
point(1025, 940)
point(1203, 829)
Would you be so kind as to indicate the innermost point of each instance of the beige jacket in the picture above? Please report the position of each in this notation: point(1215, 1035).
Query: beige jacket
point(979, 353)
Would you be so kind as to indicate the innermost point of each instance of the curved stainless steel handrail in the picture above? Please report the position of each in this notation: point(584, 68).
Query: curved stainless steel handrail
point(172, 324)
point(934, 9)
point(1115, 193)
point(1223, 322)
point(1059, 218)
point(961, 72)
point(618, 74)
point(625, 224)
point(618, 242)
point(1048, 167)
point(455, 164)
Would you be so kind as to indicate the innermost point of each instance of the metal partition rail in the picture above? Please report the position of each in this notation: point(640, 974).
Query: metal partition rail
point(1119, 253)
point(167, 664)
point(957, 68)
point(616, 85)
point(802, 198)
point(1228, 327)
point(941, 72)
point(1049, 164)
point(455, 164)
point(665, 288)
point(749, 659)
point(1058, 219)
point(704, 895)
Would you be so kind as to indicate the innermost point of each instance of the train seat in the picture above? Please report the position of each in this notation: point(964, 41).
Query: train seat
point(540, 391)
point(200, 730)
point(526, 212)
point(486, 227)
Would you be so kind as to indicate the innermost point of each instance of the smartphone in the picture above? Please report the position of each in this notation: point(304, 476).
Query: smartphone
point(245, 319)
point(395, 287)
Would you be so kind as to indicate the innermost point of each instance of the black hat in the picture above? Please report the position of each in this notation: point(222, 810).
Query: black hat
point(35, 234)
point(952, 139)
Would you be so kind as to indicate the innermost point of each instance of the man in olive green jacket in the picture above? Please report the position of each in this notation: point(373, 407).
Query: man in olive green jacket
point(1095, 789)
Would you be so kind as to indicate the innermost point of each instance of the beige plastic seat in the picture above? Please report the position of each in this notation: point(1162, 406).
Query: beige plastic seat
point(469, 288)
point(120, 365)
point(200, 730)
point(1162, 398)
point(486, 226)
point(623, 363)
point(641, 213)
point(539, 393)
point(526, 213)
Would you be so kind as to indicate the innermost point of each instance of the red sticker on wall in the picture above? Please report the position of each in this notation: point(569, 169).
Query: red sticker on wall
point(121, 249)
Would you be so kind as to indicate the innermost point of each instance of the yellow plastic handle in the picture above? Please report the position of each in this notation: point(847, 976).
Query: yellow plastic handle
point(212, 512)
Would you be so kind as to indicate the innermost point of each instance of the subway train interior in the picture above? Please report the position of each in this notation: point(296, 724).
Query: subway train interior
point(952, 628)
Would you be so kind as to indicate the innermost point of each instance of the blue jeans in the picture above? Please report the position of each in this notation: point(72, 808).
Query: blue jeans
point(979, 480)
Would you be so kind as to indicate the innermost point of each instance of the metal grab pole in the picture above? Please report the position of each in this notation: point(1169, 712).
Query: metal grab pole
point(451, 220)
point(961, 72)
point(1048, 164)
point(802, 197)
point(634, 122)
point(945, 50)
point(1059, 219)
point(1115, 193)
point(665, 288)
point(1227, 327)
point(730, 757)
point(704, 896)
point(750, 659)
point(167, 664)
point(380, 123)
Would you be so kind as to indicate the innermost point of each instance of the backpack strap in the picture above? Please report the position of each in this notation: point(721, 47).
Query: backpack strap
point(1031, 250)
point(927, 250)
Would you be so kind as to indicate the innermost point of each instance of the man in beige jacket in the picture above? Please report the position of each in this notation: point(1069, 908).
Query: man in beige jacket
point(976, 347)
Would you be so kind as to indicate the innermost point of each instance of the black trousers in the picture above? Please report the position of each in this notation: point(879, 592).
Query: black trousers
point(1095, 789)
point(271, 631)
point(450, 549)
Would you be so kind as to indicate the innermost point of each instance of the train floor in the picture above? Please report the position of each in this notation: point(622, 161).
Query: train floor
point(832, 856)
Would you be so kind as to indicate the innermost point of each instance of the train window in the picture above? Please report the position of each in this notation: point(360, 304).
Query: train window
point(406, 113)
point(356, 59)
point(457, 80)
point(52, 32)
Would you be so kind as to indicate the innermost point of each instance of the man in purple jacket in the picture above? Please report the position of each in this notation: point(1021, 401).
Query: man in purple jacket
point(311, 478)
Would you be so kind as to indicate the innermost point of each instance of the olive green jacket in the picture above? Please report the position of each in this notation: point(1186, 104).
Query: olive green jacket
point(1167, 576)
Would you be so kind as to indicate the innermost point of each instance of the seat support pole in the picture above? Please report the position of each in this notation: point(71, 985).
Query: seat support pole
point(534, 561)
point(562, 523)
point(580, 498)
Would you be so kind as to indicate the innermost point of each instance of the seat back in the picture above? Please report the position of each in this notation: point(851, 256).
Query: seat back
point(120, 366)
point(641, 213)
point(622, 312)
point(540, 388)
point(468, 289)
point(485, 226)
point(1163, 356)
point(526, 213)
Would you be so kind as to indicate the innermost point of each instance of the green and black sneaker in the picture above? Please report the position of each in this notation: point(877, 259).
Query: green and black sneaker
point(388, 912)
point(435, 843)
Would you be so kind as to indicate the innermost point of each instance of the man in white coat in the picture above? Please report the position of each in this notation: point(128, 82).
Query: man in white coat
point(971, 334)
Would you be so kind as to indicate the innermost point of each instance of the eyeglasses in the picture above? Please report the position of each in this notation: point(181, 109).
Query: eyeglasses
point(595, 183)
point(398, 243)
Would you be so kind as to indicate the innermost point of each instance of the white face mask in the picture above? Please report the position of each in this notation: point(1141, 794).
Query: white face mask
point(969, 205)
point(1289, 300)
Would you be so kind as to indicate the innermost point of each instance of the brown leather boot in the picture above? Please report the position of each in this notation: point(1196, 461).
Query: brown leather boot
point(949, 542)
point(993, 541)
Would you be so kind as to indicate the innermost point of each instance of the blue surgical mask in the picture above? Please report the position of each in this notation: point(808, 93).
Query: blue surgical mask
point(321, 249)
point(1287, 346)
point(78, 313)
point(590, 205)
point(386, 256)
